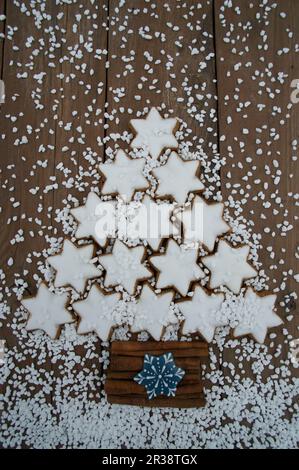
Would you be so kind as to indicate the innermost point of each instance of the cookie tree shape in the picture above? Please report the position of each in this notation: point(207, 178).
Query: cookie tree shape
point(177, 178)
point(229, 266)
point(203, 222)
point(47, 311)
point(124, 267)
point(96, 219)
point(178, 268)
point(96, 313)
point(124, 176)
point(258, 316)
point(202, 313)
point(154, 133)
point(152, 222)
point(74, 266)
point(152, 312)
point(160, 375)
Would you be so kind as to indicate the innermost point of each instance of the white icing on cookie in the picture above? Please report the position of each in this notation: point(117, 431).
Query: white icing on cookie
point(229, 266)
point(124, 176)
point(202, 313)
point(258, 316)
point(47, 311)
point(177, 267)
point(203, 222)
point(96, 219)
point(124, 267)
point(151, 222)
point(177, 178)
point(96, 313)
point(154, 133)
point(74, 266)
point(152, 312)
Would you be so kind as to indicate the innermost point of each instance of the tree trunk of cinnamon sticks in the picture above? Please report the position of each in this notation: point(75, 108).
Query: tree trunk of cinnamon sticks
point(126, 360)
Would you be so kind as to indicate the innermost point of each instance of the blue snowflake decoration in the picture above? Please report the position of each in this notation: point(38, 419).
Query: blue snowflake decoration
point(160, 375)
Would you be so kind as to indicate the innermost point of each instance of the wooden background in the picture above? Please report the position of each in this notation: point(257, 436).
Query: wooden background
point(239, 69)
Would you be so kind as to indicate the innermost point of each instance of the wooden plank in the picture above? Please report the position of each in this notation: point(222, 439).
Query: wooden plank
point(2, 35)
point(156, 68)
point(258, 123)
point(66, 88)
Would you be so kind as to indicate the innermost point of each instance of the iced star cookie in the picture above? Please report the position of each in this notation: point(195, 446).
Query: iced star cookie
point(74, 266)
point(229, 266)
point(47, 311)
point(177, 268)
point(203, 223)
point(151, 223)
point(154, 133)
point(124, 267)
point(257, 316)
point(152, 312)
point(124, 176)
point(202, 313)
point(96, 313)
point(96, 219)
point(177, 178)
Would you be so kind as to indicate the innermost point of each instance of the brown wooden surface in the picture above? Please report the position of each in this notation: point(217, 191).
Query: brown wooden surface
point(19, 172)
point(126, 360)
point(242, 67)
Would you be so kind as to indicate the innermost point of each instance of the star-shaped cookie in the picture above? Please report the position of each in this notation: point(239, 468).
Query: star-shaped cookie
point(74, 266)
point(257, 316)
point(203, 222)
point(177, 178)
point(96, 313)
point(229, 266)
point(202, 313)
point(177, 268)
point(152, 312)
point(124, 267)
point(151, 222)
point(48, 311)
point(96, 219)
point(154, 133)
point(124, 176)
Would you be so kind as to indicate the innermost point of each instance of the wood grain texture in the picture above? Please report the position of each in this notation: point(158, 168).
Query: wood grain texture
point(120, 87)
point(258, 123)
point(126, 360)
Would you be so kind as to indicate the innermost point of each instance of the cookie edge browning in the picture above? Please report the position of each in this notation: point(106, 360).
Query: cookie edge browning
point(66, 305)
point(134, 132)
point(143, 260)
point(165, 291)
point(68, 286)
point(240, 245)
point(79, 318)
